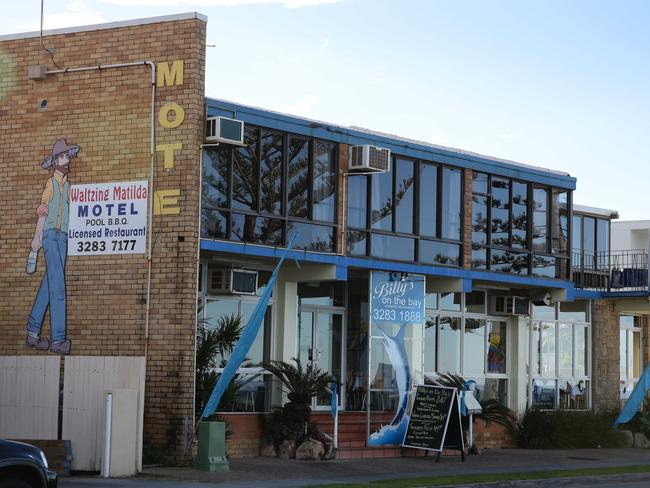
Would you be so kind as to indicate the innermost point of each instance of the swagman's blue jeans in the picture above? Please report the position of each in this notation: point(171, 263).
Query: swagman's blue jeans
point(52, 290)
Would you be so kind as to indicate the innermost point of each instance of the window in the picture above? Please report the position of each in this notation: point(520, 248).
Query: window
point(630, 354)
point(471, 343)
point(243, 191)
point(591, 253)
point(510, 227)
point(559, 356)
point(411, 214)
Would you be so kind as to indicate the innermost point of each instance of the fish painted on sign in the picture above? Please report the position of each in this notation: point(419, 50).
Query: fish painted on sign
point(393, 433)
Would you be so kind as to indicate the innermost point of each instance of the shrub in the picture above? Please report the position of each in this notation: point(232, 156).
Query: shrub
point(538, 429)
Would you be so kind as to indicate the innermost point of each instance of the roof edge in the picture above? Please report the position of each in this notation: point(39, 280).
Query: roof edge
point(107, 25)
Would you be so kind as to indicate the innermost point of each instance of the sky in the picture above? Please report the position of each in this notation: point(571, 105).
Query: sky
point(554, 83)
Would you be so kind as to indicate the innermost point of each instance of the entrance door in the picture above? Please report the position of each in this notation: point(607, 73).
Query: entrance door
point(321, 339)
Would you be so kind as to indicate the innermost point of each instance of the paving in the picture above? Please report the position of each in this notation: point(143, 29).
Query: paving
point(268, 472)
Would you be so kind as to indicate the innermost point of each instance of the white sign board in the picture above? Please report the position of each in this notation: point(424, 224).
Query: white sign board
point(108, 218)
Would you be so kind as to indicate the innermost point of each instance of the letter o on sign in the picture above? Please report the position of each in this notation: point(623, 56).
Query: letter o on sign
point(163, 116)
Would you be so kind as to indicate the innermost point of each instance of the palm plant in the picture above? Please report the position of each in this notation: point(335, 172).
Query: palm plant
point(301, 385)
point(212, 345)
point(492, 410)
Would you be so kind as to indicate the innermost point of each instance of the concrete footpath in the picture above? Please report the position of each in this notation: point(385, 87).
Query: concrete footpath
point(272, 473)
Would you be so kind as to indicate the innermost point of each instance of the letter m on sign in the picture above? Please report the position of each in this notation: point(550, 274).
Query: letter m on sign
point(170, 76)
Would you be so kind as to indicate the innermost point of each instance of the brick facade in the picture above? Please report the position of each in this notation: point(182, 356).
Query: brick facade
point(605, 339)
point(107, 112)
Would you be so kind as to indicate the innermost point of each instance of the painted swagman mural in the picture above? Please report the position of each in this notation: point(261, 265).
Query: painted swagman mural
point(51, 235)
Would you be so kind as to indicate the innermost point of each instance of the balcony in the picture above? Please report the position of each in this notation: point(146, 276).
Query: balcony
point(611, 271)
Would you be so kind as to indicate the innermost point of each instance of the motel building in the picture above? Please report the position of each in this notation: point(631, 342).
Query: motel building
point(512, 284)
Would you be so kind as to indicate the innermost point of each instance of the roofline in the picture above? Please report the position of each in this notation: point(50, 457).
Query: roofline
point(599, 212)
point(107, 25)
point(398, 145)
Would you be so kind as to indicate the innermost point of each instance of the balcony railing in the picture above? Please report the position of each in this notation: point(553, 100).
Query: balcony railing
point(611, 271)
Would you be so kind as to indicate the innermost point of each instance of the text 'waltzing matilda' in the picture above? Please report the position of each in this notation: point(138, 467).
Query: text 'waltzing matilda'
point(108, 218)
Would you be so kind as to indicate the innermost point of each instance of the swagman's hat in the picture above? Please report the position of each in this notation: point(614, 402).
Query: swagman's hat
point(60, 146)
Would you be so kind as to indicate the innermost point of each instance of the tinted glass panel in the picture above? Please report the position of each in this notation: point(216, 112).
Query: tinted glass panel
point(356, 243)
point(382, 201)
point(404, 192)
point(540, 208)
point(393, 247)
point(560, 223)
point(544, 266)
point(479, 219)
point(324, 180)
point(582, 337)
point(474, 347)
point(245, 168)
point(589, 241)
point(475, 302)
point(322, 293)
point(480, 183)
point(214, 224)
point(357, 201)
point(509, 262)
point(311, 237)
point(249, 228)
point(451, 203)
point(566, 350)
point(271, 173)
point(432, 252)
point(479, 258)
point(576, 236)
point(428, 195)
point(574, 311)
point(430, 344)
point(449, 345)
point(602, 242)
point(450, 301)
point(215, 177)
point(497, 347)
point(500, 212)
point(547, 349)
point(519, 215)
point(298, 179)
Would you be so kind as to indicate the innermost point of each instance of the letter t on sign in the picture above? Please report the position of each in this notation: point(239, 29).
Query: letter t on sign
point(169, 152)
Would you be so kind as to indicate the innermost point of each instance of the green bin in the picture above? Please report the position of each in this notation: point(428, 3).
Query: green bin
point(211, 455)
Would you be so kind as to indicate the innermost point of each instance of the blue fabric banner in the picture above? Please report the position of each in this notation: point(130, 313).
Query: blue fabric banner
point(245, 341)
point(633, 404)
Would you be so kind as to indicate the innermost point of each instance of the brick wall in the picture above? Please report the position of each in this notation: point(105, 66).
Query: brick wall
point(244, 436)
point(605, 365)
point(107, 113)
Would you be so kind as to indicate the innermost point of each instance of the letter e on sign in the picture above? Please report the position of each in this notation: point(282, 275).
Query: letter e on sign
point(165, 202)
point(170, 77)
point(179, 115)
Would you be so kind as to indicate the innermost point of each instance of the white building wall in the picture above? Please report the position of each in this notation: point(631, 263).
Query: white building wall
point(630, 234)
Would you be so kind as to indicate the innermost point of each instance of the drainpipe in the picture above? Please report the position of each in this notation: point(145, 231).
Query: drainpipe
point(152, 154)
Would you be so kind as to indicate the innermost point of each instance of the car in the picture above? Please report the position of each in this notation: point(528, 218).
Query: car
point(24, 466)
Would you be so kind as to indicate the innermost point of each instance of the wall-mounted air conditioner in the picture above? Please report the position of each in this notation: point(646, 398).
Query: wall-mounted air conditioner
point(369, 158)
point(236, 281)
point(503, 305)
point(223, 129)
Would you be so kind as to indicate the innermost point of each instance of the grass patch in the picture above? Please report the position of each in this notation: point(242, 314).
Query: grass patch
point(490, 477)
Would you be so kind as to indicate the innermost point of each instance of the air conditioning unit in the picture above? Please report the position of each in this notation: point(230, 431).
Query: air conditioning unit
point(236, 281)
point(369, 158)
point(502, 305)
point(223, 129)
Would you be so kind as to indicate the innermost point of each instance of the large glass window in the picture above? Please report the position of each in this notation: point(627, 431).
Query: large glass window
point(215, 312)
point(460, 338)
point(414, 213)
point(243, 191)
point(559, 356)
point(504, 211)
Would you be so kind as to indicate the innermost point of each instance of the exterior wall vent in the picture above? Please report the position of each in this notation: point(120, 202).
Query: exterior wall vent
point(510, 305)
point(369, 158)
point(223, 129)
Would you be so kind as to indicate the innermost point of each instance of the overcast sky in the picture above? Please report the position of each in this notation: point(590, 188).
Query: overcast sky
point(554, 83)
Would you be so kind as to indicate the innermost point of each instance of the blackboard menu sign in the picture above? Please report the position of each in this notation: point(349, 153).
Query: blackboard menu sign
point(435, 420)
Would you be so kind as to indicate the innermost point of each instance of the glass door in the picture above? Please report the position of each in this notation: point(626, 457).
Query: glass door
point(321, 342)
